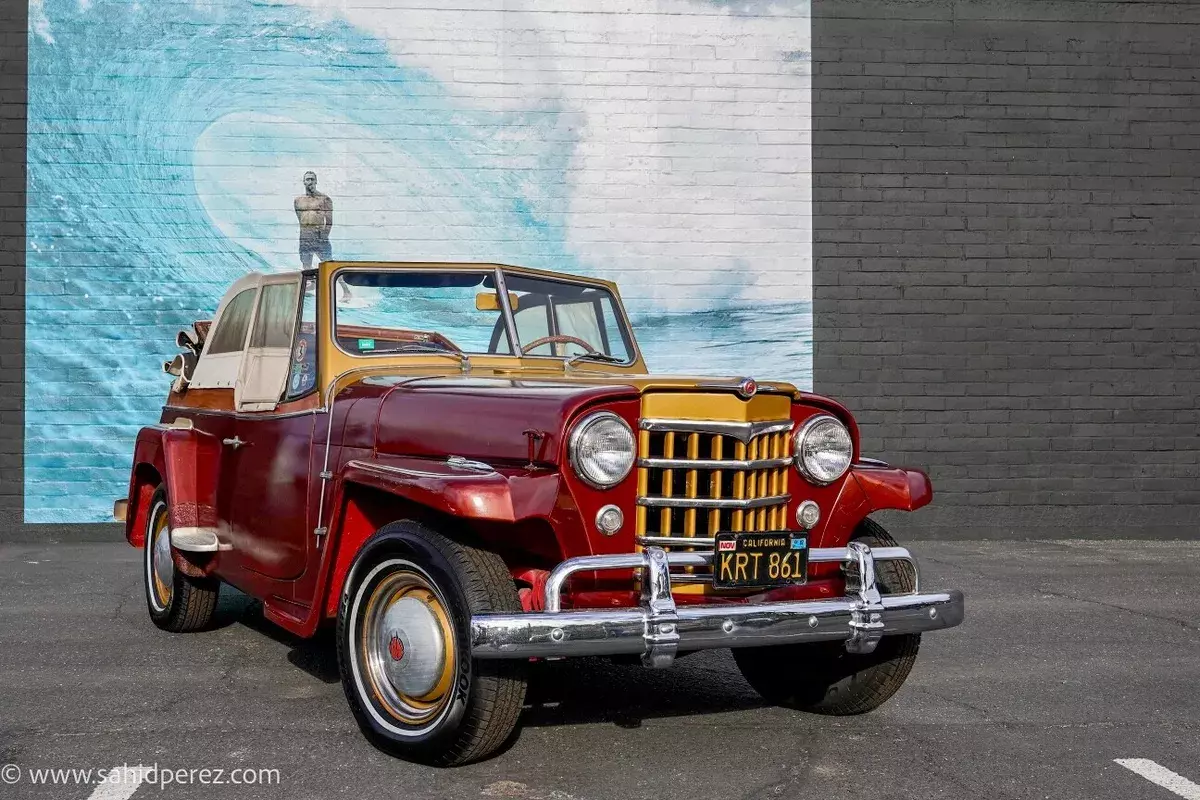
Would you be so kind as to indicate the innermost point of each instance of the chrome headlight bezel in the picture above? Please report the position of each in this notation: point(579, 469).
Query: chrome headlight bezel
point(807, 429)
point(575, 441)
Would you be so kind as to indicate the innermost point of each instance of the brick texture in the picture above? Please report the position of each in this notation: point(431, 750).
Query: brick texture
point(1007, 199)
point(13, 28)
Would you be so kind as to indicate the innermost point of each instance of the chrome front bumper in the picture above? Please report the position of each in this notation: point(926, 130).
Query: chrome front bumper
point(658, 629)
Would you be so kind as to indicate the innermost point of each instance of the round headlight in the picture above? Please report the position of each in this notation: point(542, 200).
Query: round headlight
point(823, 449)
point(601, 449)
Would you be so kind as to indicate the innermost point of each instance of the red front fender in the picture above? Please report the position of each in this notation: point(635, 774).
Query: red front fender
point(893, 487)
point(439, 486)
point(869, 488)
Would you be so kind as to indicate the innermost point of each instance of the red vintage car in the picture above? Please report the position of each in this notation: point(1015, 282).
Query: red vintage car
point(466, 467)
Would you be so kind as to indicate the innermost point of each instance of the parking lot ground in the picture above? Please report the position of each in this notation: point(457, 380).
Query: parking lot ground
point(1073, 654)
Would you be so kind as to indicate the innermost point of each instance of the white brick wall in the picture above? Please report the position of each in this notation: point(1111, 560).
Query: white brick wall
point(664, 144)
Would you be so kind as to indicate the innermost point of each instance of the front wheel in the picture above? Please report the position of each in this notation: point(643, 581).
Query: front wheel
point(404, 647)
point(823, 677)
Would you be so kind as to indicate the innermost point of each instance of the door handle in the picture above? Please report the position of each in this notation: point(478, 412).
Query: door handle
point(235, 442)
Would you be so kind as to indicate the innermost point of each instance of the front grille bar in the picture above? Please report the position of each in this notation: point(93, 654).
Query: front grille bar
point(714, 463)
point(742, 431)
point(710, 502)
point(678, 541)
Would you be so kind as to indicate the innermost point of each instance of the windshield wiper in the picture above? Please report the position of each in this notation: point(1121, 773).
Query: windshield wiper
point(604, 357)
point(464, 359)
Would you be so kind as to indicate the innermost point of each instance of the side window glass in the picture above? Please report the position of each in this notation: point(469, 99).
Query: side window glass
point(274, 324)
point(235, 320)
point(302, 377)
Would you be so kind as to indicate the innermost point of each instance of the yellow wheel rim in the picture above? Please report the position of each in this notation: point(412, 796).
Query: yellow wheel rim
point(159, 561)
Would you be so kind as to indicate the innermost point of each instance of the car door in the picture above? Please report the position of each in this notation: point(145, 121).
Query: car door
point(215, 376)
point(269, 502)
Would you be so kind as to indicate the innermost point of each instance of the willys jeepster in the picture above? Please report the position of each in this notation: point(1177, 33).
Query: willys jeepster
point(466, 467)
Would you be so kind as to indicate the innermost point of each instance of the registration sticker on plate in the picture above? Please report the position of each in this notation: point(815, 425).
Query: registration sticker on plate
point(745, 560)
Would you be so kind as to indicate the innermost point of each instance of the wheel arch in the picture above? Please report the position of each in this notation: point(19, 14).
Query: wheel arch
point(365, 508)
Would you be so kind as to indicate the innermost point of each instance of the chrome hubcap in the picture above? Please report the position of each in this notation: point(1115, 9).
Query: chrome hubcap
point(409, 647)
point(406, 647)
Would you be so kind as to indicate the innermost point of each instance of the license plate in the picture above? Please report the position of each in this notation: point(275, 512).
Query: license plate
point(744, 560)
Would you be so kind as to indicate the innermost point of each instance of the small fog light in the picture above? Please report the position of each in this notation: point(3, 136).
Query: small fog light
point(807, 515)
point(609, 520)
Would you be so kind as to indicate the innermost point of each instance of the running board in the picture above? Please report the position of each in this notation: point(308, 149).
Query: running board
point(195, 540)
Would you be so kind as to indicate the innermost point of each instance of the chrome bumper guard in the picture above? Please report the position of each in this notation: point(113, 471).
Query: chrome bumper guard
point(658, 629)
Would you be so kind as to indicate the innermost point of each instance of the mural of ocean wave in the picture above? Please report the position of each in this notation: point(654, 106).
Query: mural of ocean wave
point(166, 141)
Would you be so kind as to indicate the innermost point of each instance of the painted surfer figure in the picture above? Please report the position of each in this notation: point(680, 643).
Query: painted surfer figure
point(314, 211)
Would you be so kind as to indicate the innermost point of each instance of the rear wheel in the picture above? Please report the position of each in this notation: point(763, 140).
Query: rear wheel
point(404, 647)
point(823, 677)
point(177, 602)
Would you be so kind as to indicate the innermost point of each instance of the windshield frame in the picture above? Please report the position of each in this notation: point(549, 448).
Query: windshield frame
point(499, 274)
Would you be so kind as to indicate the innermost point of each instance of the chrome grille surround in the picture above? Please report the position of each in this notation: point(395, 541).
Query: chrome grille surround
point(700, 477)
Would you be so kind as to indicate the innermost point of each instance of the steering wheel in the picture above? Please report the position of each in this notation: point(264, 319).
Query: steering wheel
point(557, 338)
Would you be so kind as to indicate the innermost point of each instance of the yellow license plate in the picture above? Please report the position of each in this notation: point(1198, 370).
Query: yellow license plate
point(743, 560)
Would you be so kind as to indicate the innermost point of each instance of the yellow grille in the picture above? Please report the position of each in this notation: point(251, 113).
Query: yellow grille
point(696, 479)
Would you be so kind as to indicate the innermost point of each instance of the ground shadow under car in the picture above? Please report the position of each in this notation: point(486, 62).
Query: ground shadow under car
point(567, 692)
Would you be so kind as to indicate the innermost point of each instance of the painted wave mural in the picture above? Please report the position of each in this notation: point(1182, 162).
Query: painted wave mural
point(167, 141)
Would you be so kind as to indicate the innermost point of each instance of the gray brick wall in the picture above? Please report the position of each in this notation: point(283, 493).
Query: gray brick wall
point(1006, 212)
point(12, 258)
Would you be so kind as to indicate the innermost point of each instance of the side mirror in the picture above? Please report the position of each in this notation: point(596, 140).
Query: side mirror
point(175, 366)
point(490, 301)
point(181, 366)
point(189, 340)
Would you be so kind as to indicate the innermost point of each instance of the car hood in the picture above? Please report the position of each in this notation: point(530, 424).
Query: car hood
point(492, 416)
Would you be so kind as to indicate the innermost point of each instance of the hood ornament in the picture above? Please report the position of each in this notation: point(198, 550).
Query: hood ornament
point(747, 388)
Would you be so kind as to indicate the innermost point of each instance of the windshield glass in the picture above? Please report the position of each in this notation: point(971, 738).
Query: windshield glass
point(572, 318)
point(390, 312)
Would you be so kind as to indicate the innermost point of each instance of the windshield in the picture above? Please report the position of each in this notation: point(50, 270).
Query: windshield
point(390, 312)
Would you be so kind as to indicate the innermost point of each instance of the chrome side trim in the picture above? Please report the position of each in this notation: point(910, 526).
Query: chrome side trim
point(762, 388)
point(407, 472)
point(710, 502)
point(871, 463)
point(213, 412)
point(707, 463)
point(460, 462)
point(323, 528)
point(742, 431)
point(658, 628)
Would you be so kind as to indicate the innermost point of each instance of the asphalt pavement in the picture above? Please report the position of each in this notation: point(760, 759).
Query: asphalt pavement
point(1073, 654)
